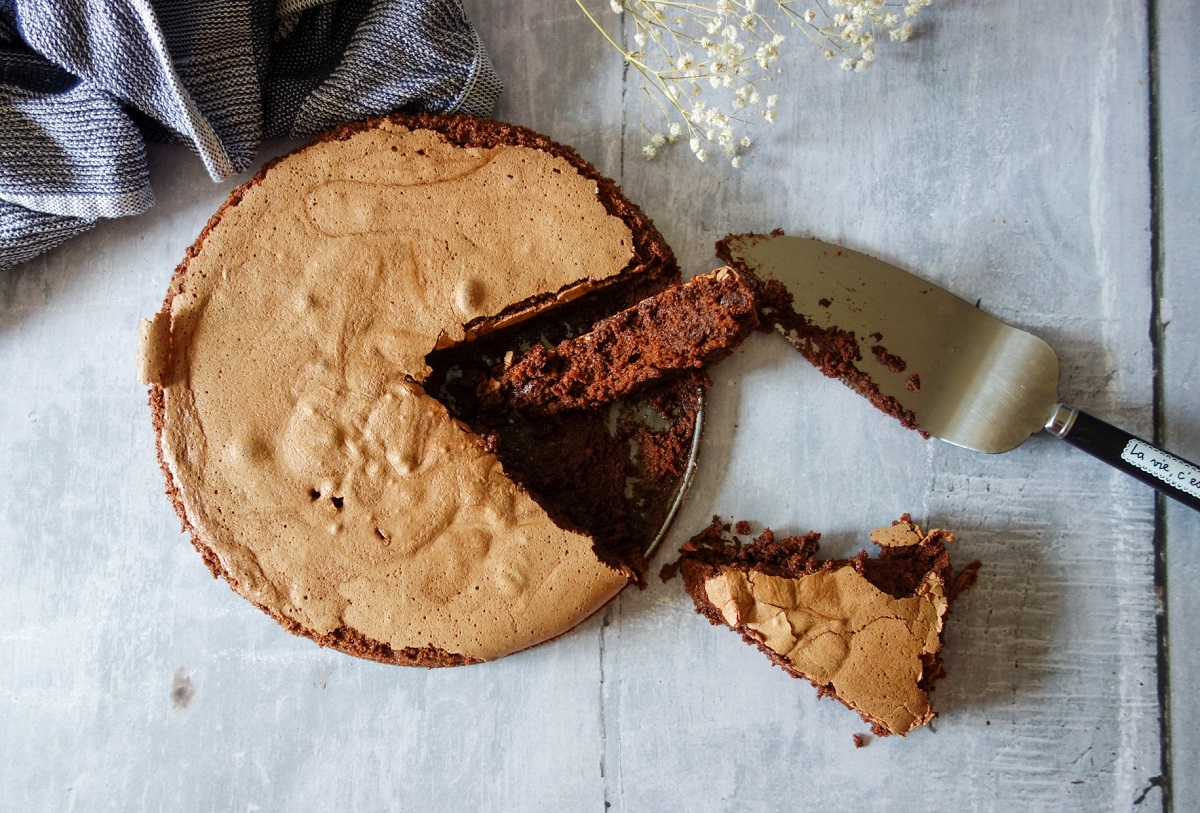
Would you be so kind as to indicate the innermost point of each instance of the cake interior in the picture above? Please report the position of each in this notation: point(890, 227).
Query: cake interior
point(609, 472)
point(832, 350)
point(866, 631)
point(686, 327)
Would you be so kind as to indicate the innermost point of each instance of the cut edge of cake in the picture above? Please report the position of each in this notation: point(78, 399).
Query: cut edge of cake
point(867, 631)
point(685, 327)
point(653, 264)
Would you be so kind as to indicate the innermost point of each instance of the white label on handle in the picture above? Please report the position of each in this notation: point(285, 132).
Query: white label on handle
point(1168, 468)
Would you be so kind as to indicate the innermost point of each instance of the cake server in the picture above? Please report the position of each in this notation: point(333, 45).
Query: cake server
point(937, 362)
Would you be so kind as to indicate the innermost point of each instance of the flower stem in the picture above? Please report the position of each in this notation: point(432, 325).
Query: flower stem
point(625, 54)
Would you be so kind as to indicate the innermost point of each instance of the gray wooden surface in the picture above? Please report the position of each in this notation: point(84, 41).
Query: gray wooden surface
point(1013, 152)
point(1178, 319)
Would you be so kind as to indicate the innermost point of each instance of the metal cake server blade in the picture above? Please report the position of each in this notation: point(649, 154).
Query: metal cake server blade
point(936, 362)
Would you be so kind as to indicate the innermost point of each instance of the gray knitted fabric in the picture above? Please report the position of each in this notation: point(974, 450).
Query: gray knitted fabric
point(84, 84)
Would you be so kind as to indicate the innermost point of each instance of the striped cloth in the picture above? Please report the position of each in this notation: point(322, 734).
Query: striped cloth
point(84, 84)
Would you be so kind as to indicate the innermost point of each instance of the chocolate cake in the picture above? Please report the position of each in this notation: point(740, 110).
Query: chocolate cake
point(832, 350)
point(683, 328)
point(866, 631)
point(294, 366)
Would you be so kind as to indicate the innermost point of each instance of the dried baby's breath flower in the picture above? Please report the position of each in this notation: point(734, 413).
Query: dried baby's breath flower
point(700, 64)
point(701, 61)
point(851, 27)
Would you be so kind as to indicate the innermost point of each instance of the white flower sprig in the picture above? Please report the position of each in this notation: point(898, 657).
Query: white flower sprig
point(702, 61)
point(849, 28)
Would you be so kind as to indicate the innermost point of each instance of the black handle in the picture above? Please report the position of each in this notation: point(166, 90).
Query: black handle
point(1171, 475)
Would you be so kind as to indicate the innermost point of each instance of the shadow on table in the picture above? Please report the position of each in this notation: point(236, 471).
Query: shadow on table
point(1004, 636)
point(721, 419)
point(44, 283)
point(125, 259)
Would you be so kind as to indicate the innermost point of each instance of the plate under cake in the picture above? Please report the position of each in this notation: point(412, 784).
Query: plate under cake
point(866, 631)
point(289, 373)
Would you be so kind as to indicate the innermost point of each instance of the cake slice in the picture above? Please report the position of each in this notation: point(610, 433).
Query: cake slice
point(687, 327)
point(867, 631)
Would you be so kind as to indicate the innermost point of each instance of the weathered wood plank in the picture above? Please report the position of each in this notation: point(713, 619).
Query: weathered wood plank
point(1179, 131)
point(1010, 166)
point(560, 77)
point(1005, 157)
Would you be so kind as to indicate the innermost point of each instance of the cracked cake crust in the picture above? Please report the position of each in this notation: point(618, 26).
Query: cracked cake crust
point(865, 631)
point(321, 595)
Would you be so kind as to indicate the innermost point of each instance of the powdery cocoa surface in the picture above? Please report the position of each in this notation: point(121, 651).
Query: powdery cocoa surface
point(911, 578)
point(650, 269)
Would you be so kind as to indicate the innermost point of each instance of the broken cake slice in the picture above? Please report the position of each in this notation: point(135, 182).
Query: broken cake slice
point(867, 631)
point(686, 327)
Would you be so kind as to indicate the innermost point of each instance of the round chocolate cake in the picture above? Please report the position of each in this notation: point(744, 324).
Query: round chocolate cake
point(289, 374)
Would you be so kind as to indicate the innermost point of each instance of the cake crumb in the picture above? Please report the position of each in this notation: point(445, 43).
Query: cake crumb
point(681, 329)
point(669, 571)
point(832, 350)
point(913, 382)
point(742, 527)
point(889, 360)
point(770, 587)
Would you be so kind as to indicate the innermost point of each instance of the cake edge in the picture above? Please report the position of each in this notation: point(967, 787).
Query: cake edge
point(653, 259)
point(700, 560)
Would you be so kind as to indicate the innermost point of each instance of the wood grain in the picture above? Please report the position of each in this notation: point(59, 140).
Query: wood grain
point(1002, 153)
point(1178, 318)
point(1015, 180)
